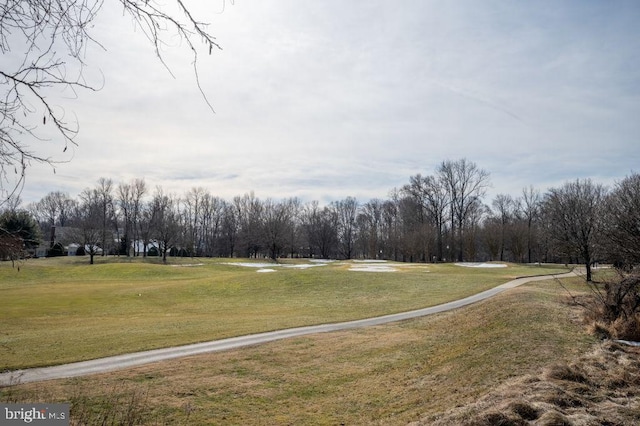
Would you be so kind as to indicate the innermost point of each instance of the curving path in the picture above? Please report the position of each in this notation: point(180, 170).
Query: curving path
point(119, 362)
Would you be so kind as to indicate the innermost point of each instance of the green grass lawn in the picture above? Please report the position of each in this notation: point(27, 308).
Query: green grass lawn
point(397, 373)
point(54, 311)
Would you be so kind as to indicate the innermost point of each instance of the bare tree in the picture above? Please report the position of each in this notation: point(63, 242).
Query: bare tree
point(125, 211)
point(129, 203)
point(346, 212)
point(477, 212)
point(229, 230)
point(43, 44)
point(370, 228)
point(320, 225)
point(104, 194)
point(431, 194)
point(278, 221)
point(192, 215)
point(504, 206)
point(391, 227)
point(138, 190)
point(211, 223)
point(530, 208)
point(166, 221)
point(89, 227)
point(574, 213)
point(466, 185)
point(294, 234)
point(623, 221)
point(146, 221)
point(249, 215)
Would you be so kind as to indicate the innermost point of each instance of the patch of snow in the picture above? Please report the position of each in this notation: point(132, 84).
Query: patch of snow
point(275, 265)
point(304, 266)
point(481, 265)
point(373, 268)
point(252, 265)
point(368, 261)
point(321, 260)
point(266, 270)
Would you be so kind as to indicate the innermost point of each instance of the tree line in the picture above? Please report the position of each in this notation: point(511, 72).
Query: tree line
point(439, 217)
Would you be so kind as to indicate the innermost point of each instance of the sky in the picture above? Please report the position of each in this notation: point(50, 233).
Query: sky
point(324, 100)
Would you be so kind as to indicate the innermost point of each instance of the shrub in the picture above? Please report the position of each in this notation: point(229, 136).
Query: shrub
point(614, 310)
point(56, 250)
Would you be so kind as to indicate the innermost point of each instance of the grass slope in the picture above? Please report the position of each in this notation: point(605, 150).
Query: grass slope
point(54, 311)
point(392, 374)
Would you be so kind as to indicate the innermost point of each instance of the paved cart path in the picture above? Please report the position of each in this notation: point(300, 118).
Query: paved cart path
point(119, 362)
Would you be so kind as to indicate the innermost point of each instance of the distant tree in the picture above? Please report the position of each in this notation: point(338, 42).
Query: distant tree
point(503, 207)
point(43, 44)
point(477, 212)
point(166, 222)
point(249, 215)
point(574, 215)
point(104, 195)
point(124, 201)
point(530, 208)
point(138, 191)
point(320, 225)
point(192, 215)
point(128, 208)
point(466, 185)
point(369, 223)
point(19, 232)
point(623, 221)
point(518, 234)
point(89, 222)
point(54, 209)
point(430, 193)
point(211, 224)
point(294, 233)
point(391, 227)
point(229, 230)
point(346, 212)
point(491, 236)
point(278, 222)
point(146, 220)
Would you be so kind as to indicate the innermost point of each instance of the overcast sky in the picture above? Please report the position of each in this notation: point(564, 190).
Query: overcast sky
point(328, 99)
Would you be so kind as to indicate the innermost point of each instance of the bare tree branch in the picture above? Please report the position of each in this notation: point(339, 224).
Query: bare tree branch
point(44, 44)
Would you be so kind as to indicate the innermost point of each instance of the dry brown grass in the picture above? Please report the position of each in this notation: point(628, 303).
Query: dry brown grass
point(612, 308)
point(601, 387)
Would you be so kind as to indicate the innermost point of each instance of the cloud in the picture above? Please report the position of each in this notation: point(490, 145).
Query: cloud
point(330, 99)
